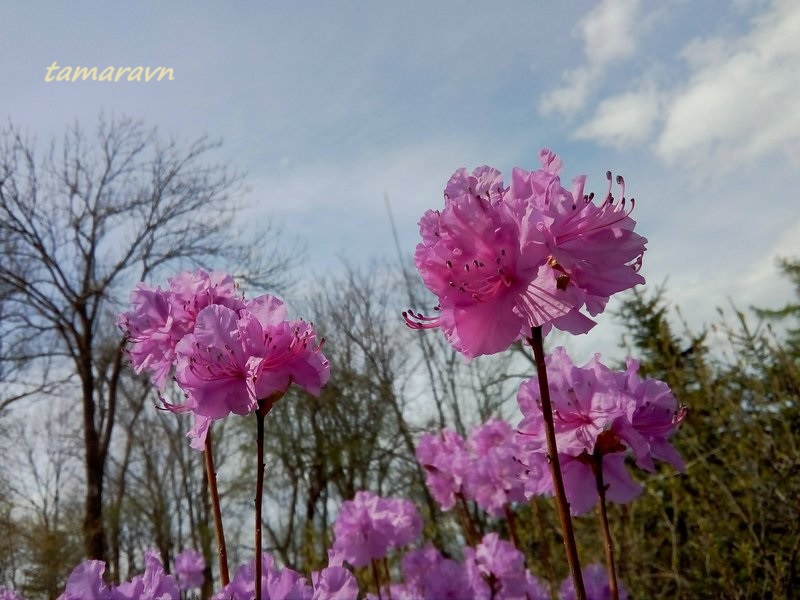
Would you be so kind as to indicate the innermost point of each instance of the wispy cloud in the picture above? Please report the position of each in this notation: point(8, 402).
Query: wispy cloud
point(608, 33)
point(738, 101)
point(741, 101)
point(625, 119)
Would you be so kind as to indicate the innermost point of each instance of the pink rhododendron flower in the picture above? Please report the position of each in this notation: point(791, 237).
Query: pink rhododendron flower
point(368, 525)
point(8, 594)
point(446, 461)
point(496, 476)
point(153, 584)
point(334, 583)
point(586, 401)
point(159, 319)
point(502, 261)
point(276, 583)
point(501, 560)
point(656, 417)
point(427, 574)
point(484, 468)
point(535, 588)
point(595, 581)
point(496, 570)
point(488, 289)
point(189, 567)
point(229, 355)
point(597, 412)
point(592, 247)
point(199, 432)
point(234, 359)
point(580, 485)
point(85, 582)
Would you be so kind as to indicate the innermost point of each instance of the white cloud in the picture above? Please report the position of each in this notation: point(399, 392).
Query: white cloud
point(608, 34)
point(742, 99)
point(623, 120)
point(608, 31)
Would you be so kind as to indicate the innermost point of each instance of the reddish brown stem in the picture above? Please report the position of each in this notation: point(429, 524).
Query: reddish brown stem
point(377, 578)
point(211, 475)
point(388, 574)
point(259, 494)
point(603, 515)
point(466, 520)
point(562, 504)
point(512, 526)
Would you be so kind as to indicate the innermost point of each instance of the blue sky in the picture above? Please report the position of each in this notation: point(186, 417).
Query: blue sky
point(327, 107)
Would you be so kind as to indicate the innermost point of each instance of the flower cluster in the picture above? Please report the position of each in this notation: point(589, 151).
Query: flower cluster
point(596, 581)
point(229, 355)
point(158, 319)
point(332, 583)
point(86, 583)
point(599, 414)
point(493, 569)
point(483, 468)
point(368, 525)
point(7, 594)
point(190, 568)
point(503, 260)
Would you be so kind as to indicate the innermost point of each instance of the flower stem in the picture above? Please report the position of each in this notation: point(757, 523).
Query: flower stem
point(388, 574)
point(603, 515)
point(467, 524)
point(211, 475)
point(512, 526)
point(377, 578)
point(537, 343)
point(259, 494)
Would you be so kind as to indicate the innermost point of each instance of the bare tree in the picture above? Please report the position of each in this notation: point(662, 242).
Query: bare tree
point(78, 227)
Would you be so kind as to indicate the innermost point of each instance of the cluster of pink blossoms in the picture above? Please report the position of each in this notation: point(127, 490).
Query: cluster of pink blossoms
point(483, 468)
point(595, 580)
point(86, 583)
point(493, 569)
point(332, 583)
point(190, 569)
point(503, 260)
point(228, 354)
point(368, 526)
point(598, 414)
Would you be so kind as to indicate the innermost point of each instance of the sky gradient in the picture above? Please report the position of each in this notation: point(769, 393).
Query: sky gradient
point(328, 108)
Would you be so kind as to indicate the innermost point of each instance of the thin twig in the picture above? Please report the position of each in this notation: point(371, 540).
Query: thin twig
point(211, 475)
point(512, 526)
point(603, 515)
point(377, 578)
point(259, 494)
point(562, 504)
